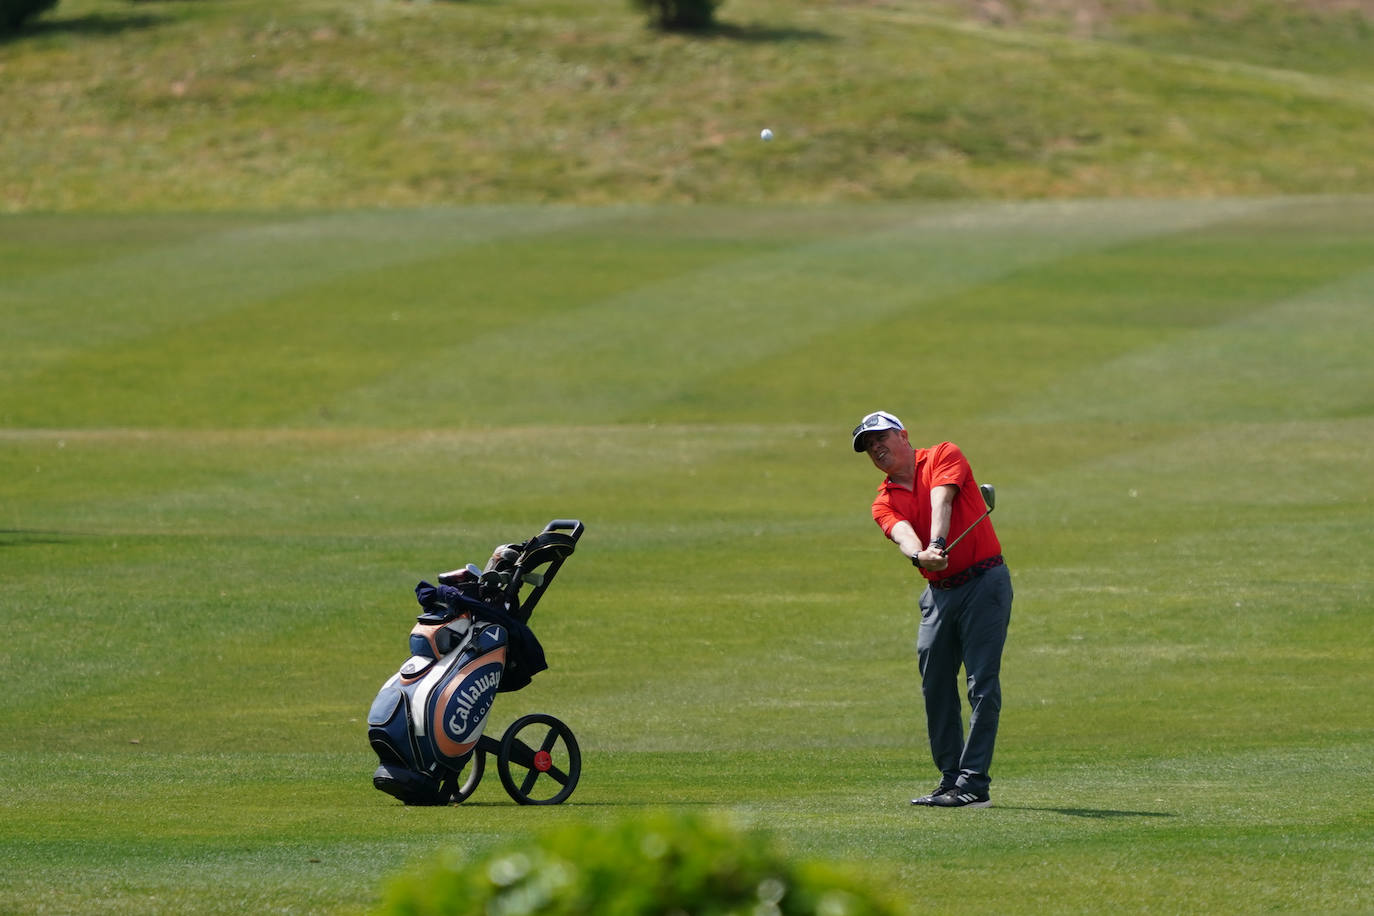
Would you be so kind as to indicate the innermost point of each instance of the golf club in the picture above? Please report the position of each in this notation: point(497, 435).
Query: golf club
point(989, 497)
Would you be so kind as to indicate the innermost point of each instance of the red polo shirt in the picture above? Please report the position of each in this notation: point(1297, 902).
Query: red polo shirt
point(936, 467)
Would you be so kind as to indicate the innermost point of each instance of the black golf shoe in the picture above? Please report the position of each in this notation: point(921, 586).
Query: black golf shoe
point(929, 800)
point(961, 798)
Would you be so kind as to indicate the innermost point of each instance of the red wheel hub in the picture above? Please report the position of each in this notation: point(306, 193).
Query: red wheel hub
point(543, 762)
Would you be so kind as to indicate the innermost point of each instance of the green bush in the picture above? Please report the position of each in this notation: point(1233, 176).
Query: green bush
point(680, 15)
point(655, 864)
point(13, 13)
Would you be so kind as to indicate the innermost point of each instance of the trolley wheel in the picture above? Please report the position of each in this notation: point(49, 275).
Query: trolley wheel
point(547, 757)
point(470, 776)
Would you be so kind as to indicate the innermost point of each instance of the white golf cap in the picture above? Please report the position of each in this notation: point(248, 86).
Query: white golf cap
point(875, 422)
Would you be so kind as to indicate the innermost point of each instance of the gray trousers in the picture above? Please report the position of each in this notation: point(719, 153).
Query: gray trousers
point(964, 626)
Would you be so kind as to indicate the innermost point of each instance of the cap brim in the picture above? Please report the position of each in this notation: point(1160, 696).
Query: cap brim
point(858, 437)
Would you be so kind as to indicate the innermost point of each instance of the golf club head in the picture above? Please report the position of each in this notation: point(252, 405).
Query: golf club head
point(469, 573)
point(989, 495)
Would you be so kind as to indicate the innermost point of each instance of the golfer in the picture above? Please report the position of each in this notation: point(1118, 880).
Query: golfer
point(966, 606)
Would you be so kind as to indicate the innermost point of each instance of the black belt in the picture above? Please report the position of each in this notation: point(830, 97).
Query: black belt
point(968, 575)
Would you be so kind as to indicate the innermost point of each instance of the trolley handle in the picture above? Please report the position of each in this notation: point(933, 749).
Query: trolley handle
point(567, 524)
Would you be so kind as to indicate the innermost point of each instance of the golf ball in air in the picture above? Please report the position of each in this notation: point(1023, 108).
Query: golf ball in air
point(765, 134)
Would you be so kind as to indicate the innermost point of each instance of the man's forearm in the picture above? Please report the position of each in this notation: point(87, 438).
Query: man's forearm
point(941, 506)
point(904, 536)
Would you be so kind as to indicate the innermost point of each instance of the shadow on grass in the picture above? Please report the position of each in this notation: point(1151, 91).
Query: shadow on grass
point(1095, 813)
point(763, 33)
point(574, 803)
point(94, 24)
point(20, 537)
point(758, 34)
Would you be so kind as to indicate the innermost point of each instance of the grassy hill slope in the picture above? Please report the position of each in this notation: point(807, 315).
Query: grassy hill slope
point(249, 104)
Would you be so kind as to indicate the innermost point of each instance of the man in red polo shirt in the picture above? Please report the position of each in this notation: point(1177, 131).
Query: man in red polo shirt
point(928, 498)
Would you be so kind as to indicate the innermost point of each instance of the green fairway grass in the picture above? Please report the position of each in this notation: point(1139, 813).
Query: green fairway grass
point(231, 445)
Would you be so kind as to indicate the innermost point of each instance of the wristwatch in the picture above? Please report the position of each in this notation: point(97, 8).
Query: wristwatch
point(916, 561)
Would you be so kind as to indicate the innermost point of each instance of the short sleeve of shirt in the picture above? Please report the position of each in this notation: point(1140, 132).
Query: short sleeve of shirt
point(884, 513)
point(948, 466)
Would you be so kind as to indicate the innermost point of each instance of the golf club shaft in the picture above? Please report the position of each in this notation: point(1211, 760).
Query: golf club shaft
point(950, 546)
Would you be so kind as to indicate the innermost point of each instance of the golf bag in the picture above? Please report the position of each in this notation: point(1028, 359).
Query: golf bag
point(470, 642)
